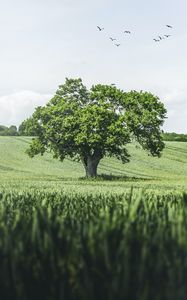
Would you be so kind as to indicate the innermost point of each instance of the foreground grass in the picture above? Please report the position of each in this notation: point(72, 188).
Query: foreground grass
point(76, 247)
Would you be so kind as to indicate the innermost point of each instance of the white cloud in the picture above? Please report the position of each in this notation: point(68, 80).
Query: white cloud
point(17, 106)
point(176, 97)
point(176, 104)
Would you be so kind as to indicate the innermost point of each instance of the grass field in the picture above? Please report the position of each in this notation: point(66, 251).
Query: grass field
point(17, 169)
point(121, 236)
point(59, 246)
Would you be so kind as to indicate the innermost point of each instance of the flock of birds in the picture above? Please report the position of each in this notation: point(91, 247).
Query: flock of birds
point(158, 39)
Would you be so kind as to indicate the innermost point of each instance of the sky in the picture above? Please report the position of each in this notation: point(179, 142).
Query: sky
point(45, 41)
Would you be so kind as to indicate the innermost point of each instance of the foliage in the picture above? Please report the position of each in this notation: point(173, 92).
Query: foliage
point(2, 128)
point(8, 131)
point(71, 247)
point(28, 128)
point(89, 125)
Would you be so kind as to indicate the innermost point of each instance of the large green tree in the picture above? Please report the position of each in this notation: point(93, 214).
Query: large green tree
point(90, 124)
point(28, 127)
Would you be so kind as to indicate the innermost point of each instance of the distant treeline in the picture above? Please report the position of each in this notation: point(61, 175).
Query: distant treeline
point(27, 129)
point(175, 137)
point(8, 131)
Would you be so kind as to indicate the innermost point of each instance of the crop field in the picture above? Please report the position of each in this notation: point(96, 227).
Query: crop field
point(60, 246)
point(121, 236)
point(166, 173)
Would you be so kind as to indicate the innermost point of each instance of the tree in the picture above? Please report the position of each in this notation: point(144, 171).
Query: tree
point(2, 127)
point(12, 130)
point(28, 127)
point(90, 124)
point(8, 131)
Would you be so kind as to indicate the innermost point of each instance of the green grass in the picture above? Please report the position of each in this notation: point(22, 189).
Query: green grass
point(17, 169)
point(67, 237)
point(58, 246)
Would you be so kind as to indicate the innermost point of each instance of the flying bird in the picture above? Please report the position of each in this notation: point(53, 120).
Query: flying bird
point(117, 45)
point(169, 26)
point(127, 31)
point(161, 38)
point(167, 35)
point(112, 39)
point(156, 40)
point(100, 29)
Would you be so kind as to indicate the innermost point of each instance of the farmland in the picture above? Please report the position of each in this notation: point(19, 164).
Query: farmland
point(121, 236)
point(56, 245)
point(167, 173)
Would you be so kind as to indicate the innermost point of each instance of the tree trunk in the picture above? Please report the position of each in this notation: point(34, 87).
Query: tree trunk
point(90, 164)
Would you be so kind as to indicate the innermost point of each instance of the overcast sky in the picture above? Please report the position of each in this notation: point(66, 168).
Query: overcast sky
point(44, 41)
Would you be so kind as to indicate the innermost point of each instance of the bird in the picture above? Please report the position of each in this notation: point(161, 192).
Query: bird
point(161, 38)
point(169, 26)
point(127, 31)
point(112, 39)
point(100, 29)
point(156, 40)
point(117, 45)
point(167, 35)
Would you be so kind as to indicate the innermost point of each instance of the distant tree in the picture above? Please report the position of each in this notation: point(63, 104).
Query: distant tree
point(3, 128)
point(90, 124)
point(12, 130)
point(8, 131)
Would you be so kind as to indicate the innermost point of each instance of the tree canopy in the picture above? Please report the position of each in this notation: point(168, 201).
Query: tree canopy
point(90, 124)
point(28, 127)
